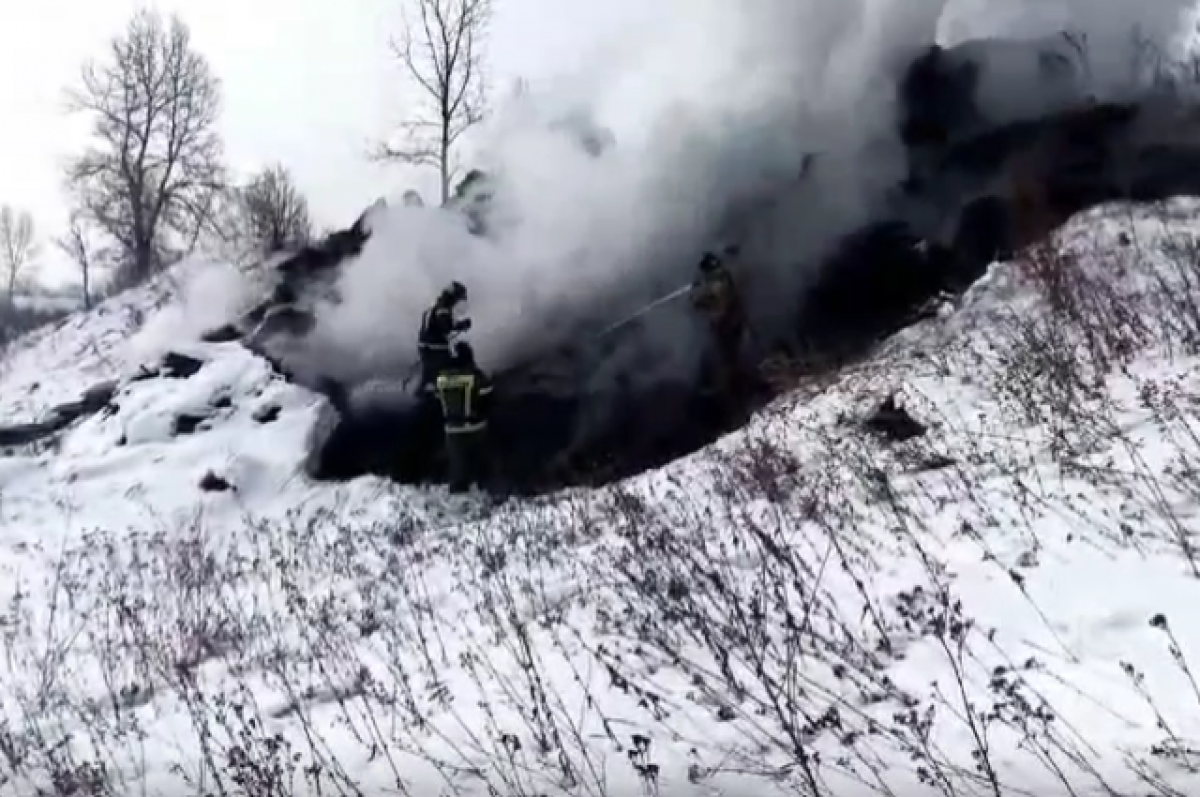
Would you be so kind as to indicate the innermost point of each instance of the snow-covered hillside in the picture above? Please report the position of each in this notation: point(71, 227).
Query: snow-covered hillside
point(1001, 605)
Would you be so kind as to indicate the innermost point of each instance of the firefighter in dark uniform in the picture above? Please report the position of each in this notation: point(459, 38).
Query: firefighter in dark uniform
point(437, 327)
point(465, 392)
point(716, 295)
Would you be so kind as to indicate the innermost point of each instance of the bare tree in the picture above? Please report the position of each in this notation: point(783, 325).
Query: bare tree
point(155, 161)
point(441, 50)
point(276, 212)
point(77, 244)
point(17, 247)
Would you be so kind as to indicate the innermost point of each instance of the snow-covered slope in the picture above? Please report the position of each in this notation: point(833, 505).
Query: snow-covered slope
point(999, 606)
point(51, 365)
point(55, 364)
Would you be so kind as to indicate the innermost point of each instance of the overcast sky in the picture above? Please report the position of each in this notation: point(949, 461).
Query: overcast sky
point(307, 82)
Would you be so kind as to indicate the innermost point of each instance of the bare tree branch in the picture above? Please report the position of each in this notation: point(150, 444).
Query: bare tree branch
point(17, 247)
point(441, 50)
point(155, 157)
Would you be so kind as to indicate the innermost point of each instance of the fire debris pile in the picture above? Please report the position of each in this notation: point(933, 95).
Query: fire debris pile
point(943, 226)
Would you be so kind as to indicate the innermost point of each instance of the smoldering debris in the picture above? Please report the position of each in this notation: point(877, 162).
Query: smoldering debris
point(863, 170)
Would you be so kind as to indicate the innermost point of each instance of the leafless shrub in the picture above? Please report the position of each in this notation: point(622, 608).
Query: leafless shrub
point(275, 210)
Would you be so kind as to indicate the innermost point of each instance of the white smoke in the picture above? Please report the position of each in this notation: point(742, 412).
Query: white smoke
point(714, 105)
point(212, 292)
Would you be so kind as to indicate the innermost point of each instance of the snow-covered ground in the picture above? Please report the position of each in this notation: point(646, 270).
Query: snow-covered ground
point(55, 363)
point(1001, 606)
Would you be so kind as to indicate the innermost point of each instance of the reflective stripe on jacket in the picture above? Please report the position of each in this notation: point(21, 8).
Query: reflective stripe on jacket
point(464, 398)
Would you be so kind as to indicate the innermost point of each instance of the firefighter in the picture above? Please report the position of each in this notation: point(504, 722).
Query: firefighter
point(715, 294)
point(464, 392)
point(437, 326)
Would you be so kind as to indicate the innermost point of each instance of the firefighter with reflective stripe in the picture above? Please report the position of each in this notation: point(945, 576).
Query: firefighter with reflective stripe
point(716, 295)
point(465, 392)
point(437, 327)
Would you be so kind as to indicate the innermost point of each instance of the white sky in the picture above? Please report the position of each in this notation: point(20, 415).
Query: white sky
point(307, 82)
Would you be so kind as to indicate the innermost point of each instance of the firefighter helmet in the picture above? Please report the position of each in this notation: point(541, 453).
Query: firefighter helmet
point(464, 354)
